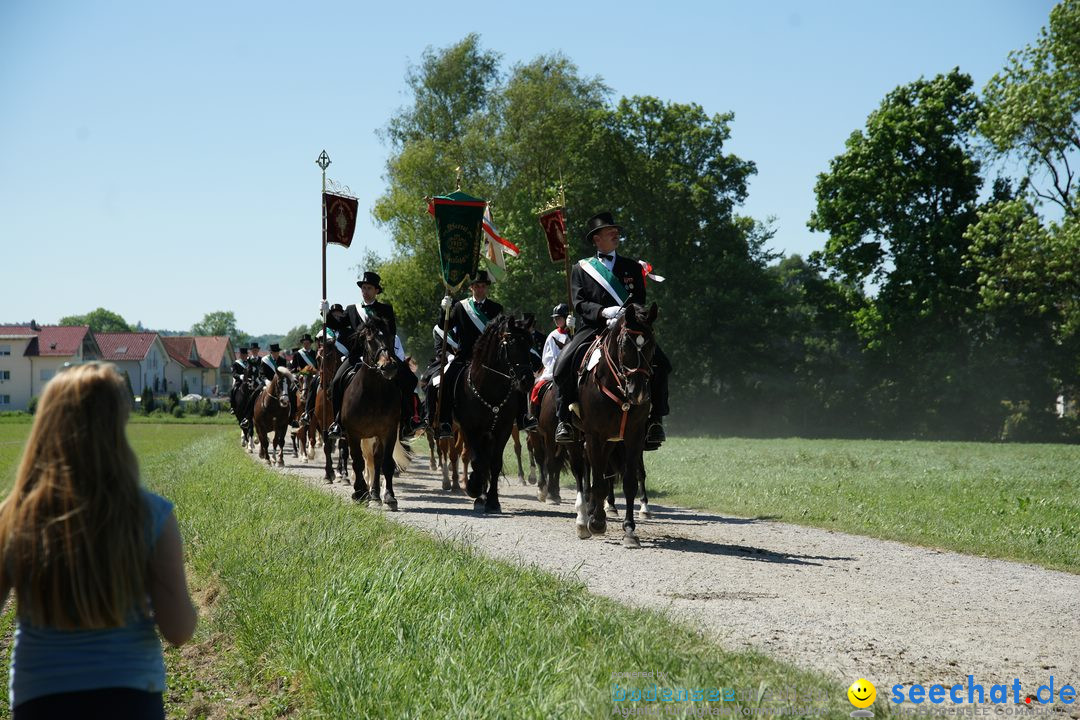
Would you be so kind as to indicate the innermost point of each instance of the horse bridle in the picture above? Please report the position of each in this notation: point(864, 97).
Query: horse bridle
point(495, 409)
point(622, 379)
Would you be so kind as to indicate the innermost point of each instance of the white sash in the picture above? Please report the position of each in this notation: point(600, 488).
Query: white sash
point(603, 281)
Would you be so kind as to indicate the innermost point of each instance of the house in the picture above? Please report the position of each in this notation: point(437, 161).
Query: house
point(141, 355)
point(187, 367)
point(216, 353)
point(30, 355)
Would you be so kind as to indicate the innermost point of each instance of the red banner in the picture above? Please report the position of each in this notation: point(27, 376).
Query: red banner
point(554, 225)
point(340, 214)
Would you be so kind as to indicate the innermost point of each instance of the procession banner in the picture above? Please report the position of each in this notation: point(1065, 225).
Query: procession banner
point(554, 225)
point(459, 218)
point(340, 218)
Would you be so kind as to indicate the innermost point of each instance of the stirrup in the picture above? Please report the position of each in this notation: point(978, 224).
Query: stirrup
point(528, 423)
point(334, 430)
point(565, 433)
point(445, 432)
point(655, 435)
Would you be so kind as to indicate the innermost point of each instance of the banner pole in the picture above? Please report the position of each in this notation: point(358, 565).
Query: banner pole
point(442, 357)
point(323, 162)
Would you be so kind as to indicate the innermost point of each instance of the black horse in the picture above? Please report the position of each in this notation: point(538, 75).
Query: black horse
point(486, 396)
point(615, 401)
point(242, 398)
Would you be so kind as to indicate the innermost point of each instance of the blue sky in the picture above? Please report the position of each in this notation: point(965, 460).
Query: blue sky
point(158, 159)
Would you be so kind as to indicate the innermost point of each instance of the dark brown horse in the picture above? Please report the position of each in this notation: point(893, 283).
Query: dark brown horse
point(615, 403)
point(323, 413)
point(486, 397)
point(370, 413)
point(272, 412)
point(552, 457)
point(303, 436)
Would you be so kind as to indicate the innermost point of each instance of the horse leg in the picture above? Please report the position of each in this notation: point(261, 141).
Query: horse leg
point(389, 465)
point(517, 453)
point(630, 481)
point(442, 447)
point(343, 461)
point(360, 488)
point(463, 452)
point(328, 451)
point(492, 503)
point(531, 449)
point(615, 460)
point(279, 440)
point(645, 511)
point(581, 503)
point(433, 453)
point(372, 455)
point(476, 480)
point(553, 471)
point(598, 463)
point(542, 481)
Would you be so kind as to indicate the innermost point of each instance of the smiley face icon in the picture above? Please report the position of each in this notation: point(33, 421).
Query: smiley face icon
point(862, 693)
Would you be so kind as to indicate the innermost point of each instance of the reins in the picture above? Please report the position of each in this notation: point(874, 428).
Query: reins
point(621, 379)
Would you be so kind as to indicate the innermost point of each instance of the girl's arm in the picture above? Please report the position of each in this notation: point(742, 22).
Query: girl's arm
point(173, 610)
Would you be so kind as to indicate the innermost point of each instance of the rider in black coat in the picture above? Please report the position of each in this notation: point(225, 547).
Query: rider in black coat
point(600, 286)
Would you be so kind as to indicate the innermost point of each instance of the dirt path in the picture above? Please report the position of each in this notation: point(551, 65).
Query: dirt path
point(846, 605)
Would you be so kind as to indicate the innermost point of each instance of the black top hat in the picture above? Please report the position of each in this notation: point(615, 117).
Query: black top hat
point(306, 338)
point(599, 221)
point(294, 350)
point(370, 278)
point(560, 310)
point(254, 346)
point(243, 351)
point(481, 277)
point(274, 347)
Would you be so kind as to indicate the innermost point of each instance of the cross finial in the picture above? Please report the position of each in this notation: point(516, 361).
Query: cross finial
point(323, 161)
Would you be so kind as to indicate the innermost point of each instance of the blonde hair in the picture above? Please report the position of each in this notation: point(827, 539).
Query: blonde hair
point(73, 536)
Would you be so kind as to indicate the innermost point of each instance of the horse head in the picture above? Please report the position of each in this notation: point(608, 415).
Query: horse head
point(377, 347)
point(633, 346)
point(283, 379)
point(515, 348)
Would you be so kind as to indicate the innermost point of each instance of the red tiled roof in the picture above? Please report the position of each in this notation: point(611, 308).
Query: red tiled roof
point(211, 348)
point(124, 346)
point(16, 330)
point(57, 341)
point(179, 349)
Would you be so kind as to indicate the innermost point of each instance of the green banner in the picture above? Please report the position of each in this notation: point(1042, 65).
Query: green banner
point(459, 218)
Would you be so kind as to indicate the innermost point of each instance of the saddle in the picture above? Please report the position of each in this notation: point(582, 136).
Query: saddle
point(588, 359)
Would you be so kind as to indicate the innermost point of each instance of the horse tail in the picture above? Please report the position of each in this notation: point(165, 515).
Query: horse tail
point(402, 456)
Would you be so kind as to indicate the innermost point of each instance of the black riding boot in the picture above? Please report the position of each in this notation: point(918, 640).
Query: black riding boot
point(655, 435)
point(445, 430)
point(336, 396)
point(565, 433)
point(526, 420)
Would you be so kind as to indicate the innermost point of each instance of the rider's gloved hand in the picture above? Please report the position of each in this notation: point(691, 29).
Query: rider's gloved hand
point(446, 303)
point(324, 307)
point(611, 312)
point(570, 321)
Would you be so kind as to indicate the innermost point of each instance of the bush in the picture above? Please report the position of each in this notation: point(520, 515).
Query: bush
point(172, 403)
point(31, 407)
point(148, 403)
point(178, 411)
point(1022, 424)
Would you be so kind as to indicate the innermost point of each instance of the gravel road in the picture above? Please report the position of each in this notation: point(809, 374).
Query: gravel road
point(846, 605)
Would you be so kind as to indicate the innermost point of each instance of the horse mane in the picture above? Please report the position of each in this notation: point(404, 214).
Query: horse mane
point(488, 344)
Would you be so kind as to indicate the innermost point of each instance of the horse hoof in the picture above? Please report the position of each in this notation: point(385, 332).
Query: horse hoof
point(329, 481)
point(478, 504)
point(446, 484)
point(472, 489)
point(456, 487)
point(541, 495)
point(583, 532)
point(597, 528)
point(391, 504)
point(493, 508)
point(645, 511)
point(432, 465)
point(554, 500)
point(521, 479)
point(532, 478)
point(610, 509)
point(630, 540)
point(359, 496)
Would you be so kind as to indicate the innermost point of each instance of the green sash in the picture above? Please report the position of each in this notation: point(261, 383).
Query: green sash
point(596, 270)
point(480, 320)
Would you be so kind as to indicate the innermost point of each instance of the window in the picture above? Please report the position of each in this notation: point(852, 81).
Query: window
point(5, 349)
point(46, 374)
point(5, 399)
point(5, 375)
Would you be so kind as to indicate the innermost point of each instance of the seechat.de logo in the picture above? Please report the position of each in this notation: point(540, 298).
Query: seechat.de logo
point(862, 694)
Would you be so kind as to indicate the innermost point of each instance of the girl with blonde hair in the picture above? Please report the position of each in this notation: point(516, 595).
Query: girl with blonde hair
point(95, 561)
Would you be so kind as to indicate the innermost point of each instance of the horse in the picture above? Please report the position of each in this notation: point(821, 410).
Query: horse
point(323, 413)
point(272, 413)
point(243, 399)
point(486, 396)
point(371, 410)
point(615, 401)
point(303, 436)
point(553, 457)
point(450, 451)
point(515, 433)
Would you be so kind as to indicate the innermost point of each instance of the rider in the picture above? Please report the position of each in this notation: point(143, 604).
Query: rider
point(305, 363)
point(347, 324)
point(239, 370)
point(553, 346)
point(429, 379)
point(468, 319)
point(601, 285)
point(271, 362)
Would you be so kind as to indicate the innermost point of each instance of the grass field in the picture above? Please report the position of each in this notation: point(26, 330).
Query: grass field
point(323, 609)
point(1017, 502)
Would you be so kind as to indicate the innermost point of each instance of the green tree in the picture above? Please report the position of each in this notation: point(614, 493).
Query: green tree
point(100, 320)
point(1032, 109)
point(896, 205)
point(221, 322)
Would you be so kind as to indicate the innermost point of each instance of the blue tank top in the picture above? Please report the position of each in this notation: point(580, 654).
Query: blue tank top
point(47, 661)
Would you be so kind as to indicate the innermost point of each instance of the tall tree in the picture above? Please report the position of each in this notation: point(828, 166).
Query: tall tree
point(100, 320)
point(1032, 109)
point(896, 205)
